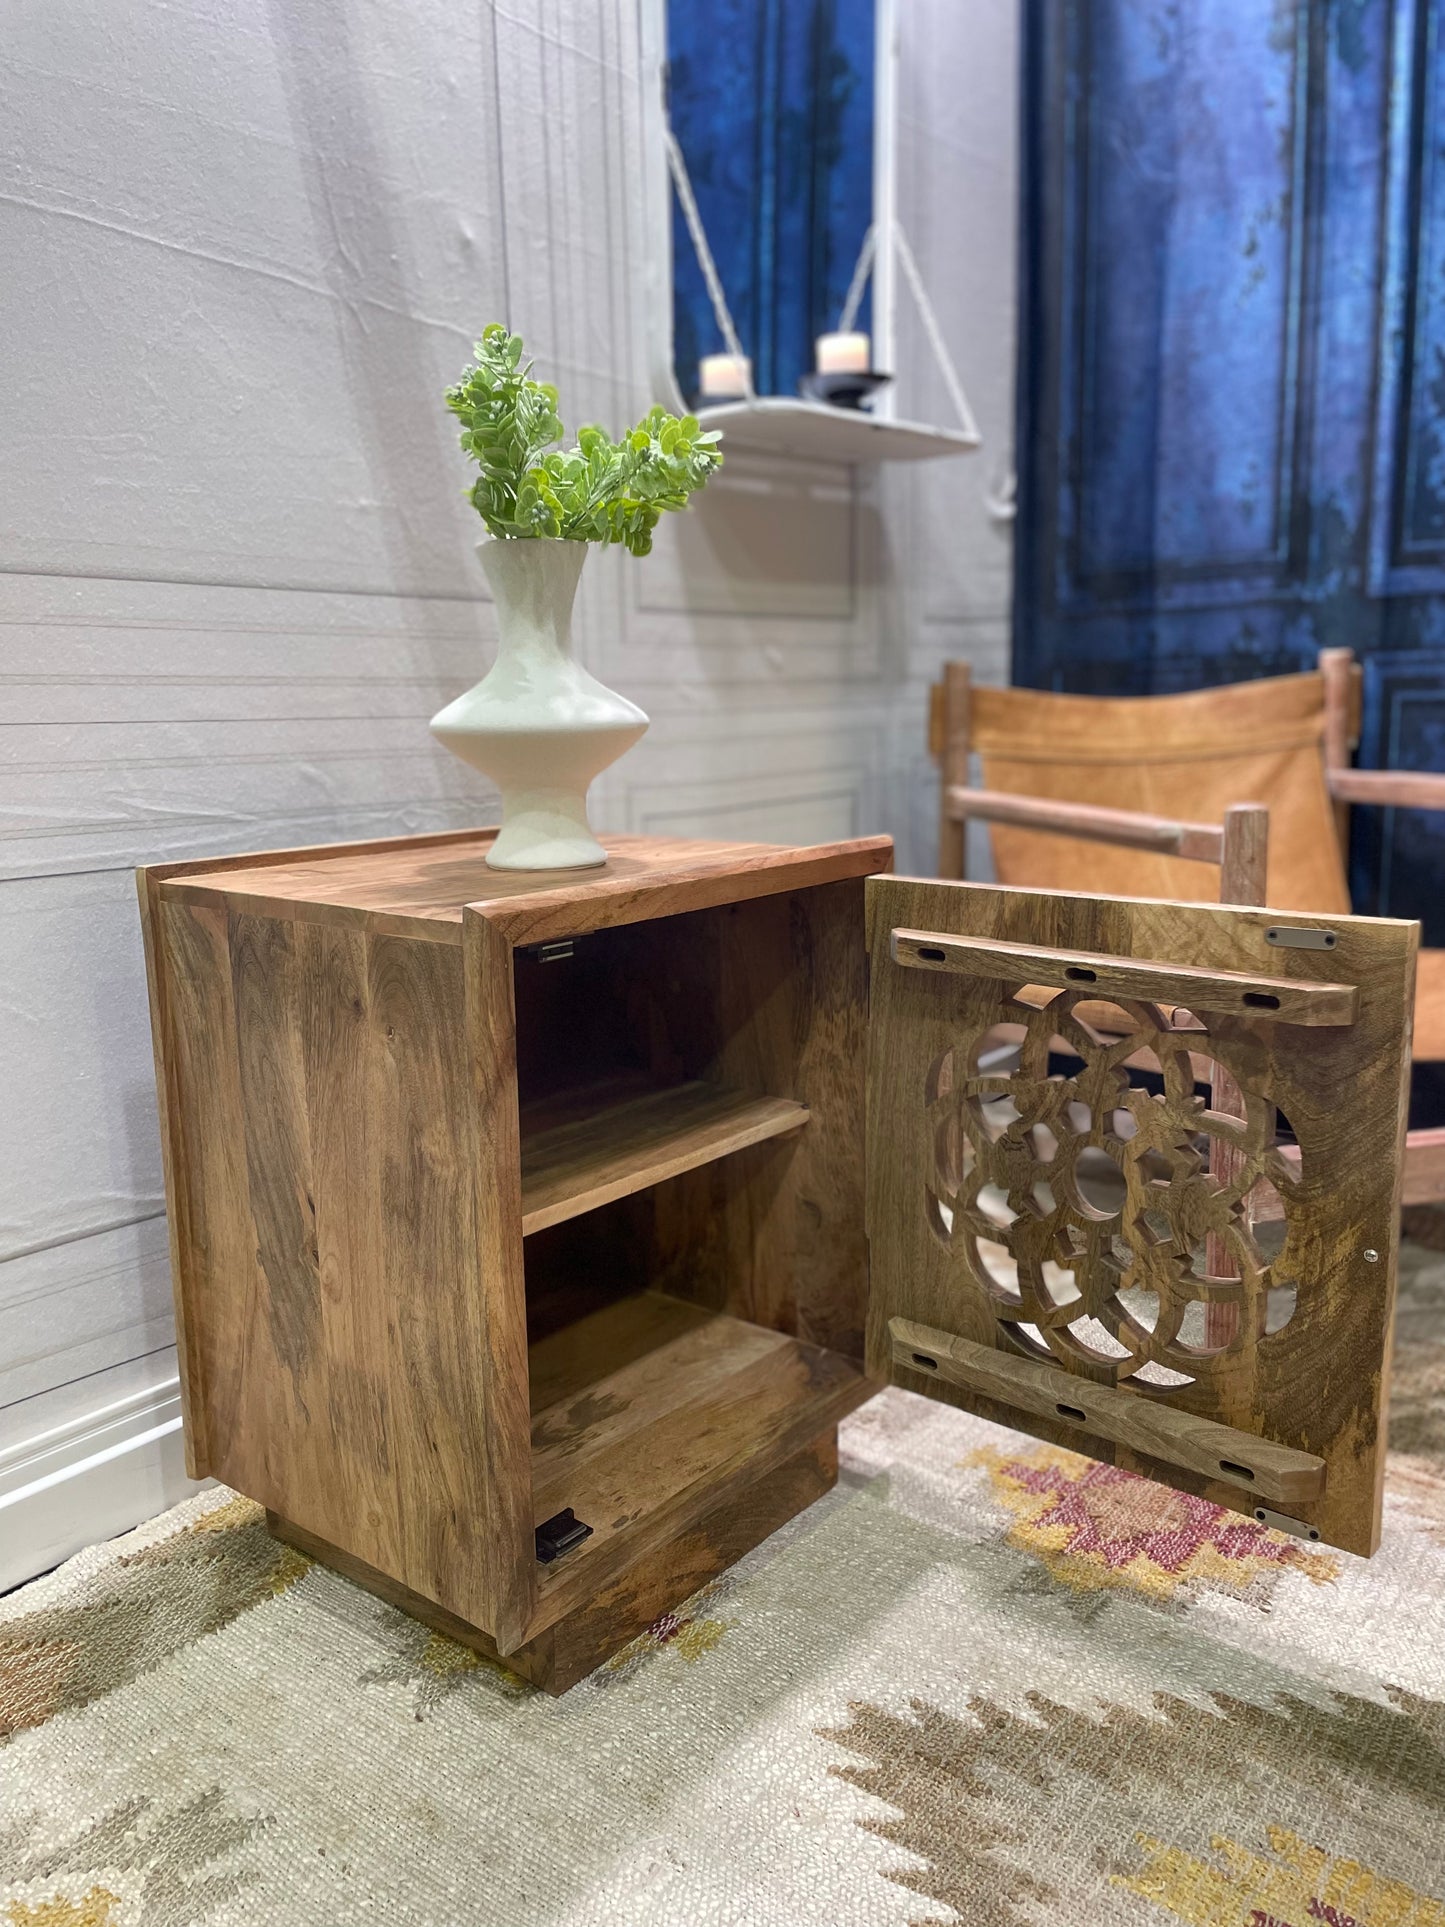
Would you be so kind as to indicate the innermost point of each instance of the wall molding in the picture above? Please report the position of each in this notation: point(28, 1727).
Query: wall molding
point(210, 649)
point(92, 1476)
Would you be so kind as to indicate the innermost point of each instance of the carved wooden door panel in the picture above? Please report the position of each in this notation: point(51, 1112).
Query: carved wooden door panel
point(1134, 1175)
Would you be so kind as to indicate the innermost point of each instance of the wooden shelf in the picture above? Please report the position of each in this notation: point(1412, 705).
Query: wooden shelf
point(629, 1138)
point(813, 431)
point(644, 1412)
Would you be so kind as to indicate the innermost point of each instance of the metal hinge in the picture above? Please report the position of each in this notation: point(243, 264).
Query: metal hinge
point(1282, 1522)
point(1300, 939)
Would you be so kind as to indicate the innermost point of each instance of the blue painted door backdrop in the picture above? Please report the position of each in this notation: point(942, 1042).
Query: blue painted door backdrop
point(772, 105)
point(1232, 367)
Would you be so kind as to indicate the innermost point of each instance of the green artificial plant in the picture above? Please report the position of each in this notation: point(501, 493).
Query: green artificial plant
point(599, 491)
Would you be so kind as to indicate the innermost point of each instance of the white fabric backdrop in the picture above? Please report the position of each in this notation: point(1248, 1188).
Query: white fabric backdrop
point(245, 247)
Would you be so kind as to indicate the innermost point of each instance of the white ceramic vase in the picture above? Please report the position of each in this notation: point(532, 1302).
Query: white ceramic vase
point(537, 723)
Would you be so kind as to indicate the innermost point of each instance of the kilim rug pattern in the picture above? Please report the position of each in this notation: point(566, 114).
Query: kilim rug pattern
point(985, 1681)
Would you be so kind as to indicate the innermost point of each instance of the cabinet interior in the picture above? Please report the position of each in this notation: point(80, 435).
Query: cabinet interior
point(689, 1091)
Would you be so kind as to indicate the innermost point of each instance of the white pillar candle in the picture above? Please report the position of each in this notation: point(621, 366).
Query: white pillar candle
point(724, 377)
point(842, 354)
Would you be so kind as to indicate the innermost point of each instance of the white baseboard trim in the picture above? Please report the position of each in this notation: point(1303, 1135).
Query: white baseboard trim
point(98, 1474)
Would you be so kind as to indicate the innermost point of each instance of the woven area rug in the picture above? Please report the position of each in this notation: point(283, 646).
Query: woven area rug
point(984, 1681)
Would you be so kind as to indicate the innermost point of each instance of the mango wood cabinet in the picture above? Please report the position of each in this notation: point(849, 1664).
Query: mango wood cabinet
point(518, 1222)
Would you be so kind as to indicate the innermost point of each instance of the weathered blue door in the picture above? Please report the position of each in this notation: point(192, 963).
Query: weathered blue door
point(1232, 367)
point(772, 105)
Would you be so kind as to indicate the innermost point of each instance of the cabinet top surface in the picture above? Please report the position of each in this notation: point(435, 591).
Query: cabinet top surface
point(419, 886)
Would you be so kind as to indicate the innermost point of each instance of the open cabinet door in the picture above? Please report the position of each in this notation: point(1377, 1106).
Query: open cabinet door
point(1134, 1182)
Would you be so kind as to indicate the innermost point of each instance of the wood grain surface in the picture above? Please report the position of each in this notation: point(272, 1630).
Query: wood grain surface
point(772, 996)
point(176, 1177)
point(421, 887)
point(637, 1139)
point(336, 1297)
point(344, 1043)
point(1404, 789)
point(950, 704)
point(1274, 1472)
point(1092, 822)
point(648, 1406)
point(1286, 1001)
point(1319, 1384)
point(618, 1611)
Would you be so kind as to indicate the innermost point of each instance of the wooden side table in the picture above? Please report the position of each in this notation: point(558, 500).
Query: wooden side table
point(518, 1224)
point(517, 1221)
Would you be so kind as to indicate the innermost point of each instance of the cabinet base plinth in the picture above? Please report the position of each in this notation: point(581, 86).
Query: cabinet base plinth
point(578, 1644)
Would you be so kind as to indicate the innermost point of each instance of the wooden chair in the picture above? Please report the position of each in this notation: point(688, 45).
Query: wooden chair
point(1123, 773)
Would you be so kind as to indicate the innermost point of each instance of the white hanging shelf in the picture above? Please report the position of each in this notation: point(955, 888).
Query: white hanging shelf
point(813, 431)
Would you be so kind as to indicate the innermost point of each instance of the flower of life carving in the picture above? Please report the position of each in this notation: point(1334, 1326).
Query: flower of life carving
point(1085, 1208)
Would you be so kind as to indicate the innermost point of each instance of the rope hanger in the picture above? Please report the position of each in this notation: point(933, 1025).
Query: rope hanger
point(710, 275)
point(863, 267)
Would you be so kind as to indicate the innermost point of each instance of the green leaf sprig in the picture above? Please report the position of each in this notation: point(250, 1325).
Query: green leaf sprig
point(598, 491)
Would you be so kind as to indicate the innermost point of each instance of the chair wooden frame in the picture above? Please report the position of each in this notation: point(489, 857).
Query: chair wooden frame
point(1238, 845)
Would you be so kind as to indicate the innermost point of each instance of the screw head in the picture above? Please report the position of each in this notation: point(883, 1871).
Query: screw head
point(1371, 1256)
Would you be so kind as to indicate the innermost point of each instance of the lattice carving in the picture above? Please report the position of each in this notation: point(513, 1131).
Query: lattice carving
point(1084, 1208)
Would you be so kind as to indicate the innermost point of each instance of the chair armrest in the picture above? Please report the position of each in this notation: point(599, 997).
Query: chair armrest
point(1403, 788)
point(1203, 842)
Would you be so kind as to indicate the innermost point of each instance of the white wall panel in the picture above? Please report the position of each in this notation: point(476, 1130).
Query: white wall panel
point(793, 812)
point(77, 1131)
point(819, 774)
point(724, 557)
point(75, 1307)
point(958, 168)
point(252, 243)
point(246, 245)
